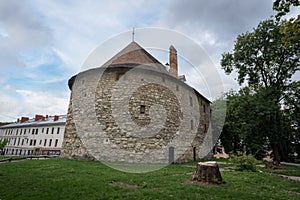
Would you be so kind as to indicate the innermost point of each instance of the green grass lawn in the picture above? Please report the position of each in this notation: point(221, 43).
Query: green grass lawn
point(69, 179)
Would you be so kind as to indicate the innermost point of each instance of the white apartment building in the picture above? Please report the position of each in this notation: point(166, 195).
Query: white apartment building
point(42, 135)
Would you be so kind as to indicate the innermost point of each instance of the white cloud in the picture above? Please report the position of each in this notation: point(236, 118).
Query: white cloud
point(9, 87)
point(21, 30)
point(38, 102)
point(8, 108)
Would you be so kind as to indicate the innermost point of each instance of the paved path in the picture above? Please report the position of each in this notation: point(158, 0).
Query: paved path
point(295, 178)
point(293, 164)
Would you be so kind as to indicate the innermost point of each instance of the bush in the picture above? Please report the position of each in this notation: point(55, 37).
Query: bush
point(244, 162)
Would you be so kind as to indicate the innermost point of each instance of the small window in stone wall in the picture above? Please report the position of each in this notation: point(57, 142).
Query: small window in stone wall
point(106, 141)
point(177, 88)
point(118, 75)
point(82, 81)
point(192, 124)
point(205, 128)
point(191, 101)
point(204, 108)
point(142, 109)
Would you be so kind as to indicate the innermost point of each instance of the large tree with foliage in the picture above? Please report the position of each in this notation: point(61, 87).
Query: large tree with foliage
point(283, 6)
point(266, 65)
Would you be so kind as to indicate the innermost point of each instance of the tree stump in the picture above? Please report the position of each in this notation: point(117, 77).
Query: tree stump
point(207, 172)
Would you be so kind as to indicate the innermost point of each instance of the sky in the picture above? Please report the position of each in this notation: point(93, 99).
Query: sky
point(45, 42)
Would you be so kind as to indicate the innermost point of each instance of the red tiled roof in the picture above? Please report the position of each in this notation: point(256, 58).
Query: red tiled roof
point(133, 53)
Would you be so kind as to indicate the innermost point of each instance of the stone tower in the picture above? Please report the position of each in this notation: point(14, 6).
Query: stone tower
point(133, 110)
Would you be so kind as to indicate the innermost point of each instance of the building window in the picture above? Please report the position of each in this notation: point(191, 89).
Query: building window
point(204, 108)
point(34, 142)
point(52, 130)
point(50, 142)
point(15, 141)
point(19, 141)
point(30, 144)
point(58, 129)
point(25, 131)
point(47, 131)
point(205, 128)
point(36, 131)
point(32, 132)
point(22, 142)
point(142, 109)
point(42, 130)
point(40, 142)
point(82, 81)
point(56, 142)
point(192, 124)
point(177, 88)
point(118, 75)
point(21, 131)
point(191, 101)
point(17, 132)
point(45, 142)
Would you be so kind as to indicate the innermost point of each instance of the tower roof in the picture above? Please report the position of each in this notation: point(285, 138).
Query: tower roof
point(133, 53)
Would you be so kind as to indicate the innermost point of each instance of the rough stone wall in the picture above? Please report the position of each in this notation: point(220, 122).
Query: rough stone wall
point(104, 117)
point(72, 144)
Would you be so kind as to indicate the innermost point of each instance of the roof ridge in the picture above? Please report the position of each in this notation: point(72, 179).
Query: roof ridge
point(133, 53)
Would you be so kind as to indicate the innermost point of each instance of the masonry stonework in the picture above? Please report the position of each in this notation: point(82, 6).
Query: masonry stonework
point(134, 112)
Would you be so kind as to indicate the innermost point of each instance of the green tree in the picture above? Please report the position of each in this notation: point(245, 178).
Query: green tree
point(266, 65)
point(283, 6)
point(3, 143)
point(243, 130)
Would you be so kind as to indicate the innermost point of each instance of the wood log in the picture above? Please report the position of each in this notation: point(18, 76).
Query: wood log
point(207, 172)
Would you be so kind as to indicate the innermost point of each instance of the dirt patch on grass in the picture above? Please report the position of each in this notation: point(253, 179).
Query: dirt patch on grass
point(123, 185)
point(201, 183)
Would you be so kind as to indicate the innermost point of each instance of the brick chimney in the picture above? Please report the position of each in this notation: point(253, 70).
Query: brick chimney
point(56, 117)
point(39, 117)
point(173, 62)
point(24, 119)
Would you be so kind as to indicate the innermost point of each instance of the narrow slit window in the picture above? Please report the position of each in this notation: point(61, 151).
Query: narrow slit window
point(142, 109)
point(191, 101)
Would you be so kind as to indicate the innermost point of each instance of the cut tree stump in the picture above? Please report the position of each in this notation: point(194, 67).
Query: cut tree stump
point(207, 172)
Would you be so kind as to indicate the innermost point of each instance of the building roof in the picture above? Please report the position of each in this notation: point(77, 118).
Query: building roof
point(133, 53)
point(41, 122)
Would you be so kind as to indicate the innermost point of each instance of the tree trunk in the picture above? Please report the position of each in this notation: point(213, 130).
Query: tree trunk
point(207, 172)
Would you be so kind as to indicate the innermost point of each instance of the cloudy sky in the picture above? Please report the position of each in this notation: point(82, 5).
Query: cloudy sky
point(44, 42)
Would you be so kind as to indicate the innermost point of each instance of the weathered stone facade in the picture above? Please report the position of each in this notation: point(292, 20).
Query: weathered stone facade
point(134, 112)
